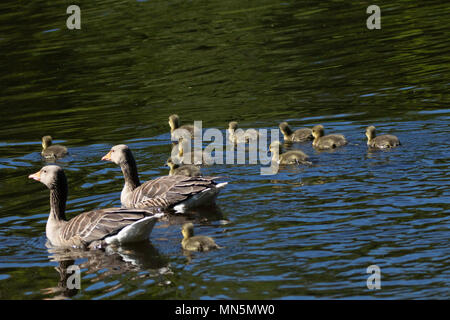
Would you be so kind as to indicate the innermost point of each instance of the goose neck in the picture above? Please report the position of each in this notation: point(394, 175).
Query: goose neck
point(129, 170)
point(58, 198)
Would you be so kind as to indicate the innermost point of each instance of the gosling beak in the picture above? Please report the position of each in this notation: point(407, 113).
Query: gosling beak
point(107, 157)
point(36, 176)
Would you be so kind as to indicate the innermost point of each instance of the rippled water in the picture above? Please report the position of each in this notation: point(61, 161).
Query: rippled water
point(306, 232)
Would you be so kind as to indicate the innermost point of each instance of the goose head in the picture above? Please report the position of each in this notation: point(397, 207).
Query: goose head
point(318, 131)
point(52, 176)
point(118, 154)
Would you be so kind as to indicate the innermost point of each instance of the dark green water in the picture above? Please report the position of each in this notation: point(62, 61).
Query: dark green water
point(303, 233)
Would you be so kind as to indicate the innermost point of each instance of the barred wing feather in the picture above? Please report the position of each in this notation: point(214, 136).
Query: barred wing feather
point(98, 224)
point(167, 191)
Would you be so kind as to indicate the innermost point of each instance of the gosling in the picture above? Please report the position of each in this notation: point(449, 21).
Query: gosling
point(188, 170)
point(289, 157)
point(196, 243)
point(331, 141)
point(299, 135)
point(174, 123)
point(196, 157)
point(240, 137)
point(382, 142)
point(50, 151)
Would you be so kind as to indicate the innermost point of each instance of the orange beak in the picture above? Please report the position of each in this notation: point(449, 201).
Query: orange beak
point(36, 176)
point(107, 157)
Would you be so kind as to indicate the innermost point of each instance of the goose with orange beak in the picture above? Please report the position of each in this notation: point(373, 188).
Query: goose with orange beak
point(93, 229)
point(179, 193)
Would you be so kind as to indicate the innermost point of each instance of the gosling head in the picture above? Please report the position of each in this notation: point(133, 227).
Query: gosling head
point(181, 146)
point(233, 125)
point(118, 154)
point(276, 147)
point(318, 131)
point(285, 129)
point(172, 165)
point(187, 230)
point(46, 142)
point(370, 132)
point(52, 176)
point(174, 122)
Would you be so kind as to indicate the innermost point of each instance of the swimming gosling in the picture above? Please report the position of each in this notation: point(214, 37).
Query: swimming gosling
point(322, 141)
point(196, 243)
point(196, 157)
point(289, 157)
point(50, 151)
point(299, 135)
point(174, 123)
point(241, 136)
point(187, 170)
point(382, 142)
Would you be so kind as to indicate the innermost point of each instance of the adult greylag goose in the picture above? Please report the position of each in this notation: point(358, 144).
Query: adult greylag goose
point(382, 142)
point(322, 141)
point(299, 135)
point(289, 157)
point(50, 151)
point(188, 170)
point(240, 136)
point(196, 243)
point(92, 229)
point(179, 193)
point(174, 123)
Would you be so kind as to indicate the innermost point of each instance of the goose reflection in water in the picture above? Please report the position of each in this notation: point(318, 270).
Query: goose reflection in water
point(142, 259)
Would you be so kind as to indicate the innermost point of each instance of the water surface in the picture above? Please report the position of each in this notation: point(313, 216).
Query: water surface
point(306, 232)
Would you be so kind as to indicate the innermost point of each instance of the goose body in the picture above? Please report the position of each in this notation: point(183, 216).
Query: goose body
point(289, 157)
point(94, 228)
point(50, 151)
point(299, 135)
point(169, 192)
point(196, 243)
point(381, 142)
point(331, 141)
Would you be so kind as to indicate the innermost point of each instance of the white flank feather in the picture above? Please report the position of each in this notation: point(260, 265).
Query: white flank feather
point(205, 197)
point(138, 231)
